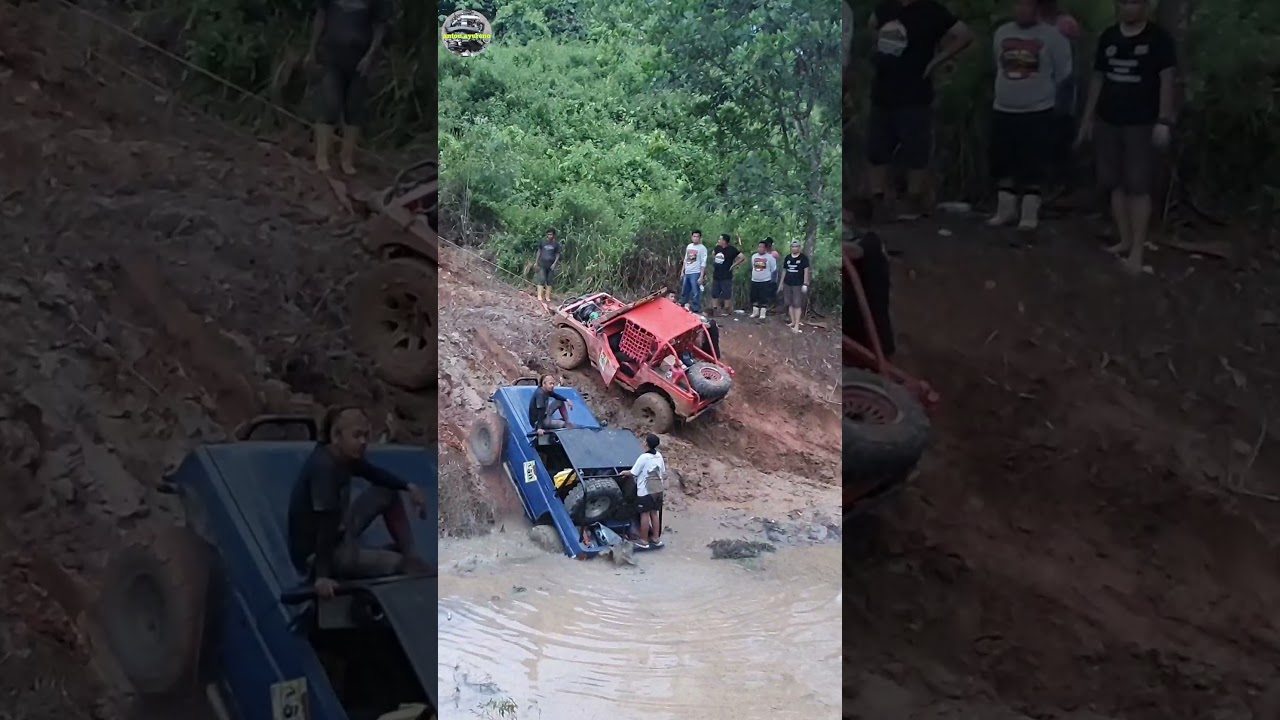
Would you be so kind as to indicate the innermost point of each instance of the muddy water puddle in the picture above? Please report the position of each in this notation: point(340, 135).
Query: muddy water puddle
point(677, 636)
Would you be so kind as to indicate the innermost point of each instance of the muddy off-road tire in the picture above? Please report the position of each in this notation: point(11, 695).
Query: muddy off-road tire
point(547, 538)
point(568, 349)
point(152, 611)
point(593, 500)
point(711, 382)
point(487, 438)
point(654, 413)
point(394, 321)
point(885, 432)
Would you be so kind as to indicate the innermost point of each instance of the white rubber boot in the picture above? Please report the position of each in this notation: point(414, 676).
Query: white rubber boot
point(755, 312)
point(762, 312)
point(1006, 209)
point(1030, 213)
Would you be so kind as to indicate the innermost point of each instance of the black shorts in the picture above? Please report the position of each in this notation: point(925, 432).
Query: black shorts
point(343, 90)
point(722, 289)
point(762, 293)
point(905, 132)
point(649, 503)
point(1021, 147)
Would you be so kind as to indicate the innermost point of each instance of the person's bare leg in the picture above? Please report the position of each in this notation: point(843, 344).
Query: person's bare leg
point(644, 528)
point(324, 146)
point(1139, 223)
point(655, 528)
point(878, 181)
point(350, 138)
point(917, 187)
point(1120, 213)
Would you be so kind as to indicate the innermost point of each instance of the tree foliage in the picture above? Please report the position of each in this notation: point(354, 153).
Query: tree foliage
point(260, 45)
point(627, 124)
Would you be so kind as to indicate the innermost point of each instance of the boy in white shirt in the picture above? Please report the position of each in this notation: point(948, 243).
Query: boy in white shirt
point(650, 472)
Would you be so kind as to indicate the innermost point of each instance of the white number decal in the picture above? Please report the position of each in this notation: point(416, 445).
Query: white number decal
point(289, 700)
point(530, 472)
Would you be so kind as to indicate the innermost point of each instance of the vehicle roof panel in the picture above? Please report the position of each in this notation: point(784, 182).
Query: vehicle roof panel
point(598, 448)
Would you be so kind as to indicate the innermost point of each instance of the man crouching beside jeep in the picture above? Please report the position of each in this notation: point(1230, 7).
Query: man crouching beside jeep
point(325, 524)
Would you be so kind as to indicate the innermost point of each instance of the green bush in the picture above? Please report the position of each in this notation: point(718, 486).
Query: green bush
point(589, 136)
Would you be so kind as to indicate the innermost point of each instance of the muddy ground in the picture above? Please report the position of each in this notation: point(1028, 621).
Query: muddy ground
point(1094, 535)
point(163, 280)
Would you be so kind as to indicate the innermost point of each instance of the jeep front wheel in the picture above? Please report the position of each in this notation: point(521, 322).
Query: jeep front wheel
point(568, 349)
point(486, 440)
point(654, 413)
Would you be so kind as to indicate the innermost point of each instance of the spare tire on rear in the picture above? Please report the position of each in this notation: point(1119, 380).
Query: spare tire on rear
point(152, 611)
point(709, 380)
point(593, 500)
point(885, 432)
point(487, 437)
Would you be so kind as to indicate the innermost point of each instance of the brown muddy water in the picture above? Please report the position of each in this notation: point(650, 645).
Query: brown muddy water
point(676, 636)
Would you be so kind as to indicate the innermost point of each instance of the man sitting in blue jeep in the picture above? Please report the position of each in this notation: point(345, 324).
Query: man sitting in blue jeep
point(325, 525)
point(545, 404)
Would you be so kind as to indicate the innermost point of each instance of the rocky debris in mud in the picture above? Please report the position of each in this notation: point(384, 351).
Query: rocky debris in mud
point(738, 549)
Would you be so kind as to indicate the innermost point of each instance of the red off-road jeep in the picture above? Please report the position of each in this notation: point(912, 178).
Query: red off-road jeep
point(653, 347)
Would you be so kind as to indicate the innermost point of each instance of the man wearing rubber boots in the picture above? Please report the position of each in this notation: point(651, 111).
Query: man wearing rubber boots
point(649, 472)
point(325, 524)
point(545, 404)
point(345, 38)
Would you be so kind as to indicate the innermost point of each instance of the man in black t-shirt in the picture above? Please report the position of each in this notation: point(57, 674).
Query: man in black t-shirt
point(1129, 115)
point(725, 258)
point(913, 38)
point(346, 36)
point(795, 284)
point(325, 524)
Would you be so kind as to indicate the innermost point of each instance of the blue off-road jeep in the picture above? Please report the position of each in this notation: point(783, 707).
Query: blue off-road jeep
point(588, 459)
point(217, 607)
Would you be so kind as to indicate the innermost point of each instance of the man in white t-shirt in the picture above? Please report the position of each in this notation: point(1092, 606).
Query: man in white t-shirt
point(695, 267)
point(650, 473)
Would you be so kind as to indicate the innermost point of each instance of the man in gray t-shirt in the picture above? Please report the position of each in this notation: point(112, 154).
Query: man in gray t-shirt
point(346, 36)
point(1033, 60)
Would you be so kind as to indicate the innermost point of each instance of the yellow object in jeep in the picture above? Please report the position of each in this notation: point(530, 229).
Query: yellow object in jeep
point(565, 478)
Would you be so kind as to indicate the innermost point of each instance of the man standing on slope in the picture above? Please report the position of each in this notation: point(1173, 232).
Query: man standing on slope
point(795, 284)
point(913, 39)
point(764, 277)
point(1033, 61)
point(346, 36)
point(1131, 98)
point(726, 259)
point(695, 269)
point(546, 260)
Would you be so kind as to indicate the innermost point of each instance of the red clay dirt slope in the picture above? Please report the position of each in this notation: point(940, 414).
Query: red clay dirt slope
point(1095, 533)
point(162, 281)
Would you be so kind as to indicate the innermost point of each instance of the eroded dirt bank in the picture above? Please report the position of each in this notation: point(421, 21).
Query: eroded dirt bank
point(163, 280)
point(679, 635)
point(1095, 535)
